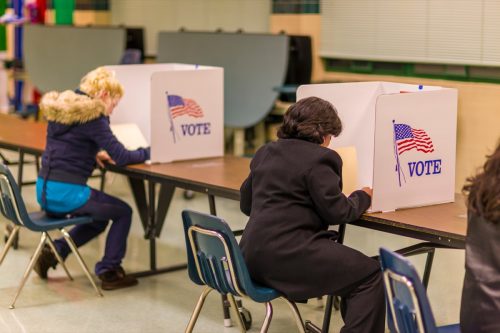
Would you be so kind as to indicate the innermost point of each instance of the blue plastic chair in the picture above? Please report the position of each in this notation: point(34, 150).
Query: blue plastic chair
point(13, 208)
point(215, 260)
point(406, 297)
point(131, 57)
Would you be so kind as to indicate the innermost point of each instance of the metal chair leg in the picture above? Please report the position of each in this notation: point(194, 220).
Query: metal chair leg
point(225, 310)
point(34, 258)
point(58, 256)
point(197, 309)
point(80, 260)
point(10, 240)
point(267, 319)
point(234, 306)
point(296, 315)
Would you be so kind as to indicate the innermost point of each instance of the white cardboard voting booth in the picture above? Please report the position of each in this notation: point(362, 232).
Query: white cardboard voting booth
point(404, 136)
point(178, 108)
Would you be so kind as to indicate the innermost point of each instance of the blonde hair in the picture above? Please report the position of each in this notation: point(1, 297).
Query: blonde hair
point(101, 79)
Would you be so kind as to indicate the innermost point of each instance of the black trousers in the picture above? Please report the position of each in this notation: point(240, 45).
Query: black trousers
point(363, 305)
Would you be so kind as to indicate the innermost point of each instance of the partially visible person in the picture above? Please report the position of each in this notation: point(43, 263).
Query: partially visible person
point(79, 138)
point(480, 309)
point(292, 195)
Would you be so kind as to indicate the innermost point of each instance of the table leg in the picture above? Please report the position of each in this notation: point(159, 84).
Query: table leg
point(329, 300)
point(4, 159)
point(328, 313)
point(20, 170)
point(139, 194)
point(428, 267)
point(152, 225)
point(164, 199)
point(152, 217)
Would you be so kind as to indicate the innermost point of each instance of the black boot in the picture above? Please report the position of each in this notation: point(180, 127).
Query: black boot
point(46, 260)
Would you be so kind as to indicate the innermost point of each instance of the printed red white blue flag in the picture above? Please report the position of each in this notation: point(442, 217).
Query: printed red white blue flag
point(184, 106)
point(408, 138)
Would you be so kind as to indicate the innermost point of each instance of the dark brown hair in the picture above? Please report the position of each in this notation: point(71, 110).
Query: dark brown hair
point(484, 189)
point(310, 119)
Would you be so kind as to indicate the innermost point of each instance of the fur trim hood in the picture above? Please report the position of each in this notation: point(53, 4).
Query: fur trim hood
point(69, 107)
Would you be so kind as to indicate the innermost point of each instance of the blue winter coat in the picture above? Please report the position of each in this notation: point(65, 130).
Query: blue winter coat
point(77, 130)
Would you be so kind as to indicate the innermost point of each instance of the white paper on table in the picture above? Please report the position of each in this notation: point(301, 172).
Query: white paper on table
point(349, 169)
point(129, 135)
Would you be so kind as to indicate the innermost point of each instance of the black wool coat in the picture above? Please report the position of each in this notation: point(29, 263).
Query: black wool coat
point(292, 195)
point(480, 307)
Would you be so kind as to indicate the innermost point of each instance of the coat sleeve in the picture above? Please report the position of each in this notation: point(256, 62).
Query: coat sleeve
point(100, 132)
point(325, 187)
point(246, 188)
point(246, 196)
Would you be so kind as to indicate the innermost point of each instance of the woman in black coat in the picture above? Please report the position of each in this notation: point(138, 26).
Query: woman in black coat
point(480, 309)
point(292, 195)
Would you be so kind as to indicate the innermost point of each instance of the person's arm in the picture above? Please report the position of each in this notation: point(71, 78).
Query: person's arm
point(246, 196)
point(246, 191)
point(102, 158)
point(100, 132)
point(325, 187)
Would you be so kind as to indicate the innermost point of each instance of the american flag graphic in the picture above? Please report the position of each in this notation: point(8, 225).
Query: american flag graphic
point(408, 138)
point(183, 106)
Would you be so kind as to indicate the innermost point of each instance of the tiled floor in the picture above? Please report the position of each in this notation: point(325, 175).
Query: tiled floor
point(164, 303)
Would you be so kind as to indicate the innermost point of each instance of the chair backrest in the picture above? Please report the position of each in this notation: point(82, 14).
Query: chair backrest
point(11, 202)
point(50, 50)
point(214, 257)
point(409, 306)
point(131, 57)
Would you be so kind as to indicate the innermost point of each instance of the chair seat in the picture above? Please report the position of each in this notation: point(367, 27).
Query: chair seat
point(455, 328)
point(215, 260)
point(45, 223)
point(262, 294)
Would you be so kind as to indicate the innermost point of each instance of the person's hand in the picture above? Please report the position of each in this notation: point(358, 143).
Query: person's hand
point(103, 157)
point(368, 190)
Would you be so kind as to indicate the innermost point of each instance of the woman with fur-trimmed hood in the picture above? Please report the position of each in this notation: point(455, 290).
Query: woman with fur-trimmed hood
point(78, 138)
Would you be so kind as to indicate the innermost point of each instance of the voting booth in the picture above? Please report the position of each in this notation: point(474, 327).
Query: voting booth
point(176, 109)
point(404, 136)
